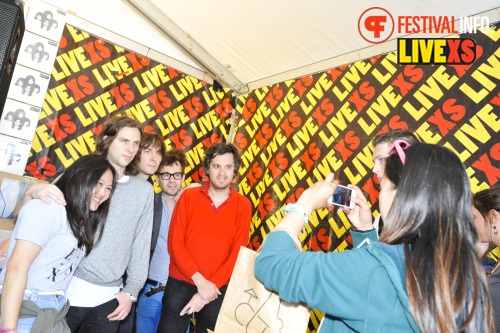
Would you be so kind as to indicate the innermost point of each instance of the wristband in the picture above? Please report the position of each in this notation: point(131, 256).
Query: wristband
point(299, 209)
point(132, 298)
point(8, 330)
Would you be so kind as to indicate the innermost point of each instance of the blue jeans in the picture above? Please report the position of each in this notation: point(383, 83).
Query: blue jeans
point(56, 302)
point(148, 310)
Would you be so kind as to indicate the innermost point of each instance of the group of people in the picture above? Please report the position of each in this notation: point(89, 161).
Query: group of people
point(98, 251)
point(131, 260)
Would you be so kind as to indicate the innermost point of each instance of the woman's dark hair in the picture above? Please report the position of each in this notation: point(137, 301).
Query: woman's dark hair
point(77, 184)
point(221, 149)
point(431, 216)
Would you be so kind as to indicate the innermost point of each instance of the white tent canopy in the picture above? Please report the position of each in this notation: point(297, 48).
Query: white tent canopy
point(248, 45)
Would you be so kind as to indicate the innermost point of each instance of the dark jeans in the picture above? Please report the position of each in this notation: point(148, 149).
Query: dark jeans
point(93, 320)
point(127, 325)
point(177, 295)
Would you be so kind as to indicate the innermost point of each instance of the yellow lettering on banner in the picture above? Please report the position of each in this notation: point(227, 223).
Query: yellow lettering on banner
point(387, 63)
point(492, 69)
point(272, 147)
point(316, 93)
point(493, 34)
point(71, 62)
point(249, 155)
point(261, 187)
point(95, 109)
point(261, 93)
point(258, 118)
point(80, 146)
point(151, 79)
point(432, 89)
point(78, 35)
point(210, 100)
point(352, 76)
point(426, 134)
point(171, 120)
point(301, 137)
point(488, 116)
point(475, 184)
point(141, 110)
point(330, 163)
point(289, 179)
point(53, 100)
point(338, 119)
point(194, 156)
point(42, 134)
point(363, 161)
point(205, 124)
point(285, 105)
point(379, 106)
point(108, 73)
point(184, 87)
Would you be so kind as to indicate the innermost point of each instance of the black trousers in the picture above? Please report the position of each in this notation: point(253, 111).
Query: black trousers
point(93, 319)
point(177, 295)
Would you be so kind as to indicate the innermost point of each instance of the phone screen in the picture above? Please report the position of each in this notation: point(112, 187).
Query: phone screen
point(342, 196)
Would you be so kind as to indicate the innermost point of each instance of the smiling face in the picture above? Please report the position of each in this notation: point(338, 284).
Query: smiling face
point(221, 171)
point(102, 190)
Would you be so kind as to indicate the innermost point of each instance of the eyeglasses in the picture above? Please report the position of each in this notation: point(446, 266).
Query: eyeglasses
point(399, 146)
point(167, 175)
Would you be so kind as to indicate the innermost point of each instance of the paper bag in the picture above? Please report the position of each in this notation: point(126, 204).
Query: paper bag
point(248, 307)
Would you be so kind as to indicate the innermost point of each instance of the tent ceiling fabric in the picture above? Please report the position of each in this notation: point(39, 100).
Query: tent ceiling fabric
point(264, 42)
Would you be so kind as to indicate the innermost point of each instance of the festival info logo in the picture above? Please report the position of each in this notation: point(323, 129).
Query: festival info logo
point(376, 25)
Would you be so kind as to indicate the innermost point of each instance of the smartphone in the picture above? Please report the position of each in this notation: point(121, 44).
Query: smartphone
point(342, 197)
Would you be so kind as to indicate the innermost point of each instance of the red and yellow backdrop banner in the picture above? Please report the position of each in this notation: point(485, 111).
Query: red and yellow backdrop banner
point(289, 134)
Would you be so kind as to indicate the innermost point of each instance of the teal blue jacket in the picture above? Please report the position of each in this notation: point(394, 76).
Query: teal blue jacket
point(361, 290)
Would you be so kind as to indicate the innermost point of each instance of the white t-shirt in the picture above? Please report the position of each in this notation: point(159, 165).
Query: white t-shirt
point(48, 227)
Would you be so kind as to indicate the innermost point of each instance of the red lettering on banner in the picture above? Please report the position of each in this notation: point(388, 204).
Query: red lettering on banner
point(414, 74)
point(210, 140)
point(352, 140)
point(264, 134)
point(335, 73)
point(181, 139)
point(240, 141)
point(394, 123)
point(484, 164)
point(96, 130)
point(266, 204)
point(68, 127)
point(137, 61)
point(122, 94)
point(321, 241)
point(456, 112)
point(273, 97)
point(81, 82)
point(254, 173)
point(301, 85)
point(198, 176)
point(312, 154)
point(249, 108)
point(255, 242)
point(172, 73)
point(496, 100)
point(42, 169)
point(325, 109)
point(224, 109)
point(366, 91)
point(96, 57)
point(278, 164)
point(160, 101)
point(462, 69)
point(369, 187)
point(291, 123)
point(194, 107)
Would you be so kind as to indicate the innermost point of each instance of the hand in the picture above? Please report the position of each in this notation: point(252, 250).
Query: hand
point(207, 289)
point(46, 191)
point(195, 304)
point(316, 196)
point(124, 305)
point(361, 216)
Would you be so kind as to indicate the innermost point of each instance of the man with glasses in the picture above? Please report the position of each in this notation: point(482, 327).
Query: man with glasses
point(170, 176)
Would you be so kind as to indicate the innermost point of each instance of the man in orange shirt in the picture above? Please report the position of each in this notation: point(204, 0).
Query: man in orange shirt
point(209, 225)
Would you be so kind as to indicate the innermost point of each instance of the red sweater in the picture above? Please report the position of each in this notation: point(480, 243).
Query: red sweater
point(206, 239)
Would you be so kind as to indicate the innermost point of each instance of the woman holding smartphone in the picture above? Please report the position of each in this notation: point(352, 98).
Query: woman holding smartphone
point(47, 244)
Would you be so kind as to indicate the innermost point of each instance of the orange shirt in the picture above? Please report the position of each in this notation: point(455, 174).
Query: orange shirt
point(206, 239)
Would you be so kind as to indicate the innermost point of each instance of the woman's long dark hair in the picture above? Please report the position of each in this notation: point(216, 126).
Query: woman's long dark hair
point(77, 184)
point(431, 216)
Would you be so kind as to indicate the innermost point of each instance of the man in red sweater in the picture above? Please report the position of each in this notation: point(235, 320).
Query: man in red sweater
point(209, 225)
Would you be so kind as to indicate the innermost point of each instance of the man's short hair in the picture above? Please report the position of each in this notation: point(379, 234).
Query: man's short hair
point(173, 156)
point(221, 149)
point(108, 134)
point(393, 135)
point(150, 140)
